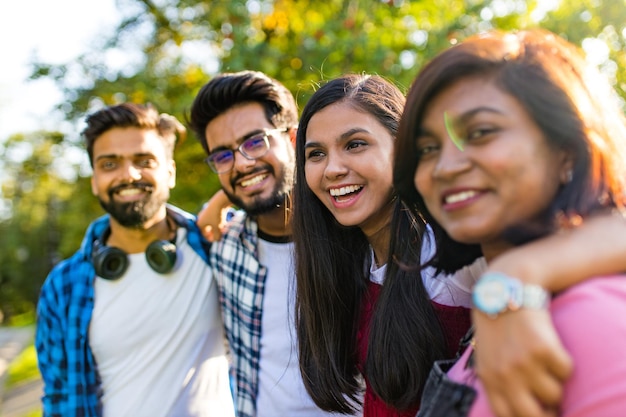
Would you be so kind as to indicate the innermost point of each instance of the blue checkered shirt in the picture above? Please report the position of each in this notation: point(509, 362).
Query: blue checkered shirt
point(67, 365)
point(241, 279)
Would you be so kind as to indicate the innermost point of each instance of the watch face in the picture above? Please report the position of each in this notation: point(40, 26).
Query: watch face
point(491, 295)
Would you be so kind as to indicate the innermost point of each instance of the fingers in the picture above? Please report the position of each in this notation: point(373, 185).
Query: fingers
point(219, 231)
point(207, 232)
point(523, 404)
point(560, 363)
point(546, 388)
point(521, 363)
point(548, 375)
point(524, 387)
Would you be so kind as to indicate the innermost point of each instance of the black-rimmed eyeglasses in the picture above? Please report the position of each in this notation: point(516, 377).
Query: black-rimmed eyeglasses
point(252, 148)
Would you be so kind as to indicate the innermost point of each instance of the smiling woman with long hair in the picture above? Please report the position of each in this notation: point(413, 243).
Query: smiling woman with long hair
point(349, 324)
point(511, 137)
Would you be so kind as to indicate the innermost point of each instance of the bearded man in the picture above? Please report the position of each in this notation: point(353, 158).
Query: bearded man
point(130, 325)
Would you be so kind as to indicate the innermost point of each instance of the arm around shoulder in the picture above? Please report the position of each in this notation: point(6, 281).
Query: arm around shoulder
point(596, 247)
point(213, 216)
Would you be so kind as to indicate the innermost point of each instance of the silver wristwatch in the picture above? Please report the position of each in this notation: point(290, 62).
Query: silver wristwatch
point(495, 293)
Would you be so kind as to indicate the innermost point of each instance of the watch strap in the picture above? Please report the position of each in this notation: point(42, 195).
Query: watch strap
point(520, 295)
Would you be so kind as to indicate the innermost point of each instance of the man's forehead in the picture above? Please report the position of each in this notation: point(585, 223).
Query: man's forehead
point(237, 124)
point(128, 142)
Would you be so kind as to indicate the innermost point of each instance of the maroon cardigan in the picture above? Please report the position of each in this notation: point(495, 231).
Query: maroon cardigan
point(455, 322)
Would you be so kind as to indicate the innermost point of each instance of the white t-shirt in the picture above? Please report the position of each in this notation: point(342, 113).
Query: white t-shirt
point(158, 340)
point(281, 390)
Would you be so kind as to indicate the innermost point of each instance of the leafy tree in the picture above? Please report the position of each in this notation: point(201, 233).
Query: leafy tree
point(163, 51)
point(172, 47)
point(41, 192)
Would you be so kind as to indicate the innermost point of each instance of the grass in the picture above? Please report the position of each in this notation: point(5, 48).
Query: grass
point(34, 413)
point(23, 368)
point(24, 319)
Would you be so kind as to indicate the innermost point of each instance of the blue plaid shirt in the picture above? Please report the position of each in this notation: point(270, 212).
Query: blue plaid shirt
point(241, 279)
point(66, 362)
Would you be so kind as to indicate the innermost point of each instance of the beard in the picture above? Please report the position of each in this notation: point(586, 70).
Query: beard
point(136, 213)
point(259, 205)
point(280, 193)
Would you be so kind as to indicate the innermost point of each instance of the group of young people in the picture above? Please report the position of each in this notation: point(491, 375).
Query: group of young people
point(393, 255)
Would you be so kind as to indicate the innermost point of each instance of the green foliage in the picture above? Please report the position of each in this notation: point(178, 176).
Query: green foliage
point(22, 320)
point(38, 196)
point(34, 413)
point(170, 48)
point(603, 20)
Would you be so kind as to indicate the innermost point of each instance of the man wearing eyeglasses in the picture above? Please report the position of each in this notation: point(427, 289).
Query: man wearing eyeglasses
point(246, 123)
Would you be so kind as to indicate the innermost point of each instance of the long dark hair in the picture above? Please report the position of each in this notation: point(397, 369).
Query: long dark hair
point(332, 269)
point(571, 103)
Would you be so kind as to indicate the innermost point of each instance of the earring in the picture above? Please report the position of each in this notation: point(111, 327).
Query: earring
point(569, 175)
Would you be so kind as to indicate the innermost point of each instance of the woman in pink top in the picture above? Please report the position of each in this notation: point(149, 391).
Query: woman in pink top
point(512, 137)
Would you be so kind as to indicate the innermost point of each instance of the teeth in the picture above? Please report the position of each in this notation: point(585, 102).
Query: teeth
point(338, 192)
point(455, 198)
point(129, 191)
point(253, 180)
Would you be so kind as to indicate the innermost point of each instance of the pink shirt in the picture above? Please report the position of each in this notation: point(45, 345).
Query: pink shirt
point(591, 321)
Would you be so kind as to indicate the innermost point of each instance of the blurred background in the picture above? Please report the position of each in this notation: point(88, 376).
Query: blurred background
point(63, 59)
